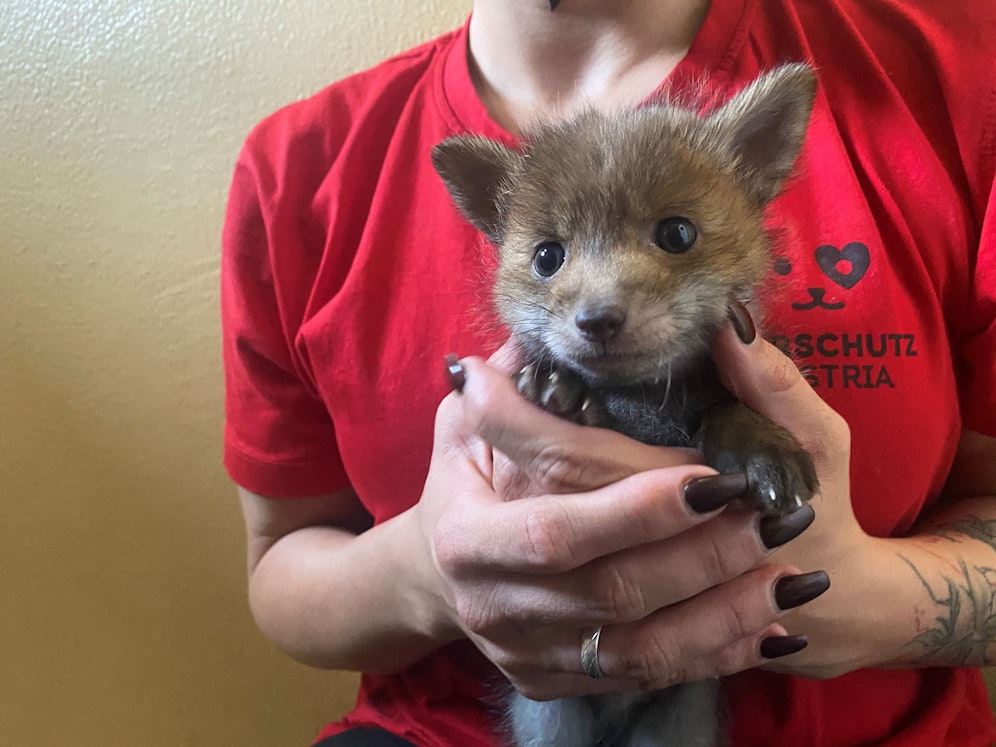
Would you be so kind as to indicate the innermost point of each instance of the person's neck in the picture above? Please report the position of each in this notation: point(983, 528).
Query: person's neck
point(529, 63)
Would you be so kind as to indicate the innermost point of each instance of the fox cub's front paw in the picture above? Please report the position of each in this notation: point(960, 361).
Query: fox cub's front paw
point(781, 475)
point(563, 393)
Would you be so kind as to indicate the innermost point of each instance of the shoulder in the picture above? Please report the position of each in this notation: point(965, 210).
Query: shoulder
point(930, 53)
point(931, 49)
point(915, 45)
point(898, 28)
point(308, 135)
point(296, 162)
point(926, 66)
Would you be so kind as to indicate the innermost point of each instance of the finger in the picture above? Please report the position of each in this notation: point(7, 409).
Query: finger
point(538, 683)
point(557, 455)
point(631, 584)
point(767, 381)
point(715, 634)
point(662, 647)
point(551, 534)
point(738, 656)
point(509, 358)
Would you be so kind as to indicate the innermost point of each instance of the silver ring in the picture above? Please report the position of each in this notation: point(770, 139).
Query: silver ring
point(589, 652)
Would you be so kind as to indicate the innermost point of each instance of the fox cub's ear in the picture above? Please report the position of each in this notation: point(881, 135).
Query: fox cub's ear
point(477, 172)
point(763, 127)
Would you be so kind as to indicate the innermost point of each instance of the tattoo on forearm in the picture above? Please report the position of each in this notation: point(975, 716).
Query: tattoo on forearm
point(964, 625)
point(983, 530)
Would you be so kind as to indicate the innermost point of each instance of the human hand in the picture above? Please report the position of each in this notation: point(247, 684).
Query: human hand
point(767, 381)
point(558, 459)
point(615, 534)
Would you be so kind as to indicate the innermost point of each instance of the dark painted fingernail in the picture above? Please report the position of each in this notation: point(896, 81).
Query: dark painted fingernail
point(775, 531)
point(456, 373)
point(793, 591)
point(783, 645)
point(742, 322)
point(554, 4)
point(705, 494)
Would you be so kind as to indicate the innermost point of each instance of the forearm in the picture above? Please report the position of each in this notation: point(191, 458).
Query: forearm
point(337, 600)
point(950, 563)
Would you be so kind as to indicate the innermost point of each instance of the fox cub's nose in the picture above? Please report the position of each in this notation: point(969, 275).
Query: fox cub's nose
point(599, 323)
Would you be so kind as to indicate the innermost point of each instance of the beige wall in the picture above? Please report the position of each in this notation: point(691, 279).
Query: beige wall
point(122, 612)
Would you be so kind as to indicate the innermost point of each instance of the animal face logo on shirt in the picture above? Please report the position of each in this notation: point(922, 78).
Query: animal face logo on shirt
point(845, 267)
point(849, 357)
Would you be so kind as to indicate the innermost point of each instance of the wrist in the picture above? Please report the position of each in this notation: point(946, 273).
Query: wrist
point(854, 624)
point(427, 598)
point(873, 618)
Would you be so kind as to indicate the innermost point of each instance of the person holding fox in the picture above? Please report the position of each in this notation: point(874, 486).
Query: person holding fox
point(431, 527)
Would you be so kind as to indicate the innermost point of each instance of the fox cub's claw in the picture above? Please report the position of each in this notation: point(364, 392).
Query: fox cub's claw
point(561, 392)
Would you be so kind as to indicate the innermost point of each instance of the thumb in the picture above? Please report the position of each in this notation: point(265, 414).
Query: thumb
point(509, 358)
point(768, 381)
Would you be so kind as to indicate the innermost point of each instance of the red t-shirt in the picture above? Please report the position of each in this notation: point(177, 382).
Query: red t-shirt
point(348, 274)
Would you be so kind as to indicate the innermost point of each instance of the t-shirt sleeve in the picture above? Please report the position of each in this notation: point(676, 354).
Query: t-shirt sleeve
point(978, 348)
point(279, 439)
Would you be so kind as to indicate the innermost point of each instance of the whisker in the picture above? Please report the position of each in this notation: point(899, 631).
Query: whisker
point(667, 387)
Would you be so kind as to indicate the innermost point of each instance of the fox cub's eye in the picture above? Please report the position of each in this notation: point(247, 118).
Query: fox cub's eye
point(675, 235)
point(549, 258)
